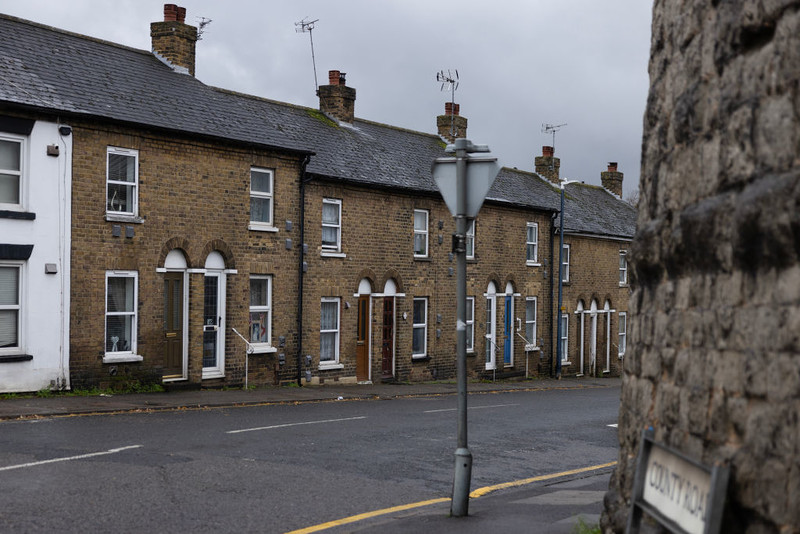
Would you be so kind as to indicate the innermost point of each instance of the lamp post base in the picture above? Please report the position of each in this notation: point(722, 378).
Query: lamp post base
point(459, 507)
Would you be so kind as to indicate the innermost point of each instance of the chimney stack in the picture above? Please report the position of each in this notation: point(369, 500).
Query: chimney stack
point(336, 99)
point(451, 125)
point(612, 179)
point(173, 40)
point(548, 165)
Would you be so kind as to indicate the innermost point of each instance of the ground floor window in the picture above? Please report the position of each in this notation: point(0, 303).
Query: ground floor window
point(564, 337)
point(623, 333)
point(530, 320)
point(420, 335)
point(121, 314)
point(10, 305)
point(470, 324)
point(260, 310)
point(329, 331)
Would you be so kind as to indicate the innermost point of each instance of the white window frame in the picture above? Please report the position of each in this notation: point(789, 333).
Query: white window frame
point(264, 226)
point(470, 239)
point(334, 363)
point(623, 268)
point(564, 338)
point(127, 152)
point(18, 307)
point(470, 311)
point(263, 346)
point(21, 173)
point(532, 343)
point(127, 355)
point(420, 326)
point(565, 263)
point(331, 250)
point(421, 232)
point(622, 343)
point(532, 244)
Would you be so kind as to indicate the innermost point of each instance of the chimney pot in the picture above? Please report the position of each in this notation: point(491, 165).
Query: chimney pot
point(548, 151)
point(170, 12)
point(612, 166)
point(181, 17)
point(334, 76)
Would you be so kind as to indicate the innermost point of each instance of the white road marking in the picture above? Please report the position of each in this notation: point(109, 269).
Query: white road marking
point(294, 424)
point(470, 408)
point(613, 425)
point(68, 458)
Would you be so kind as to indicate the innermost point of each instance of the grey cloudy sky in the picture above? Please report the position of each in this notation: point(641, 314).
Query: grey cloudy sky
point(521, 63)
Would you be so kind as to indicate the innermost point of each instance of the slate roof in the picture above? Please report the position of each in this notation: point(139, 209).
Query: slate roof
point(590, 209)
point(48, 69)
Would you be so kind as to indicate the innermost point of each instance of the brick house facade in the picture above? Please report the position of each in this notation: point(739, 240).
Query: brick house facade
point(319, 237)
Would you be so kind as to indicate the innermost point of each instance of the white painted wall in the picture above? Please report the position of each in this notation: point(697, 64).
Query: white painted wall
point(45, 297)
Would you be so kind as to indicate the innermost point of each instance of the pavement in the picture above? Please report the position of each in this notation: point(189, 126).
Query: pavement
point(549, 504)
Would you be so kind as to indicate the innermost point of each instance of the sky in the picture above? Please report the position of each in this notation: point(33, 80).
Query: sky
point(521, 64)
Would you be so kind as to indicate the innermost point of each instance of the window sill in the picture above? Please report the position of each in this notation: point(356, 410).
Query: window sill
point(332, 254)
point(262, 348)
point(423, 258)
point(122, 358)
point(420, 358)
point(211, 374)
point(261, 227)
point(21, 215)
point(565, 283)
point(12, 358)
point(623, 285)
point(113, 217)
point(533, 264)
point(330, 366)
point(532, 348)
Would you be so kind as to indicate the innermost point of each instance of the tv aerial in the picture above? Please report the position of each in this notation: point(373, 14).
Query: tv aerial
point(307, 26)
point(202, 22)
point(450, 81)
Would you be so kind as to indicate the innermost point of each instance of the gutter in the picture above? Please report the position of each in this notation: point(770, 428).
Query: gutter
point(304, 178)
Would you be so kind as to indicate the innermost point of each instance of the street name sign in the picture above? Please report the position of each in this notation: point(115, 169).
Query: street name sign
point(680, 493)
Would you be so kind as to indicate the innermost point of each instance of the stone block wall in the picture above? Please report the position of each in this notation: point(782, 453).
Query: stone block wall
point(714, 357)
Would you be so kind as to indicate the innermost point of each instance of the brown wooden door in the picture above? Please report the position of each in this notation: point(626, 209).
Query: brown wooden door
point(362, 340)
point(173, 325)
point(387, 345)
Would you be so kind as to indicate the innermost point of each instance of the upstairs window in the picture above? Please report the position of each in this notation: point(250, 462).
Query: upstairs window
point(261, 206)
point(11, 171)
point(420, 233)
point(10, 284)
point(532, 244)
point(471, 239)
point(623, 267)
point(122, 182)
point(565, 264)
point(331, 225)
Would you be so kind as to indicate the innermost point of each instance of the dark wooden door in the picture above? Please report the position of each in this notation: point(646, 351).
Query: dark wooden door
point(362, 339)
point(387, 345)
point(173, 325)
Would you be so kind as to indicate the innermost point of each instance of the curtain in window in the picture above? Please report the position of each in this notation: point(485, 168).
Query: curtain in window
point(120, 310)
point(330, 216)
point(9, 172)
point(530, 321)
point(9, 296)
point(329, 325)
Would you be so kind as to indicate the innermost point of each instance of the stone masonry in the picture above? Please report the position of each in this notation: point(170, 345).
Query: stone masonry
point(714, 357)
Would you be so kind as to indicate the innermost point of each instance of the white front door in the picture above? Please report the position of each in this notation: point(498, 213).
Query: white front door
point(214, 325)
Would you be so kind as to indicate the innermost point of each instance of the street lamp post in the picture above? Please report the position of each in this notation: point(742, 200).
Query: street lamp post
point(463, 182)
point(560, 278)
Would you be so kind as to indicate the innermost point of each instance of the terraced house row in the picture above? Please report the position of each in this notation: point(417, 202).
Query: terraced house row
point(157, 230)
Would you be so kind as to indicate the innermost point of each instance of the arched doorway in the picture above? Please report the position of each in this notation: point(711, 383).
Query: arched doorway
point(176, 307)
point(214, 316)
point(508, 326)
point(363, 331)
point(491, 326)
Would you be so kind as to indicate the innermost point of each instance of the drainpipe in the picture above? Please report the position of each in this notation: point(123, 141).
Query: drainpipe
point(303, 180)
point(552, 274)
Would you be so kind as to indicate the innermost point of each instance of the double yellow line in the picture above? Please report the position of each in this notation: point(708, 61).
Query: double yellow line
point(480, 492)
